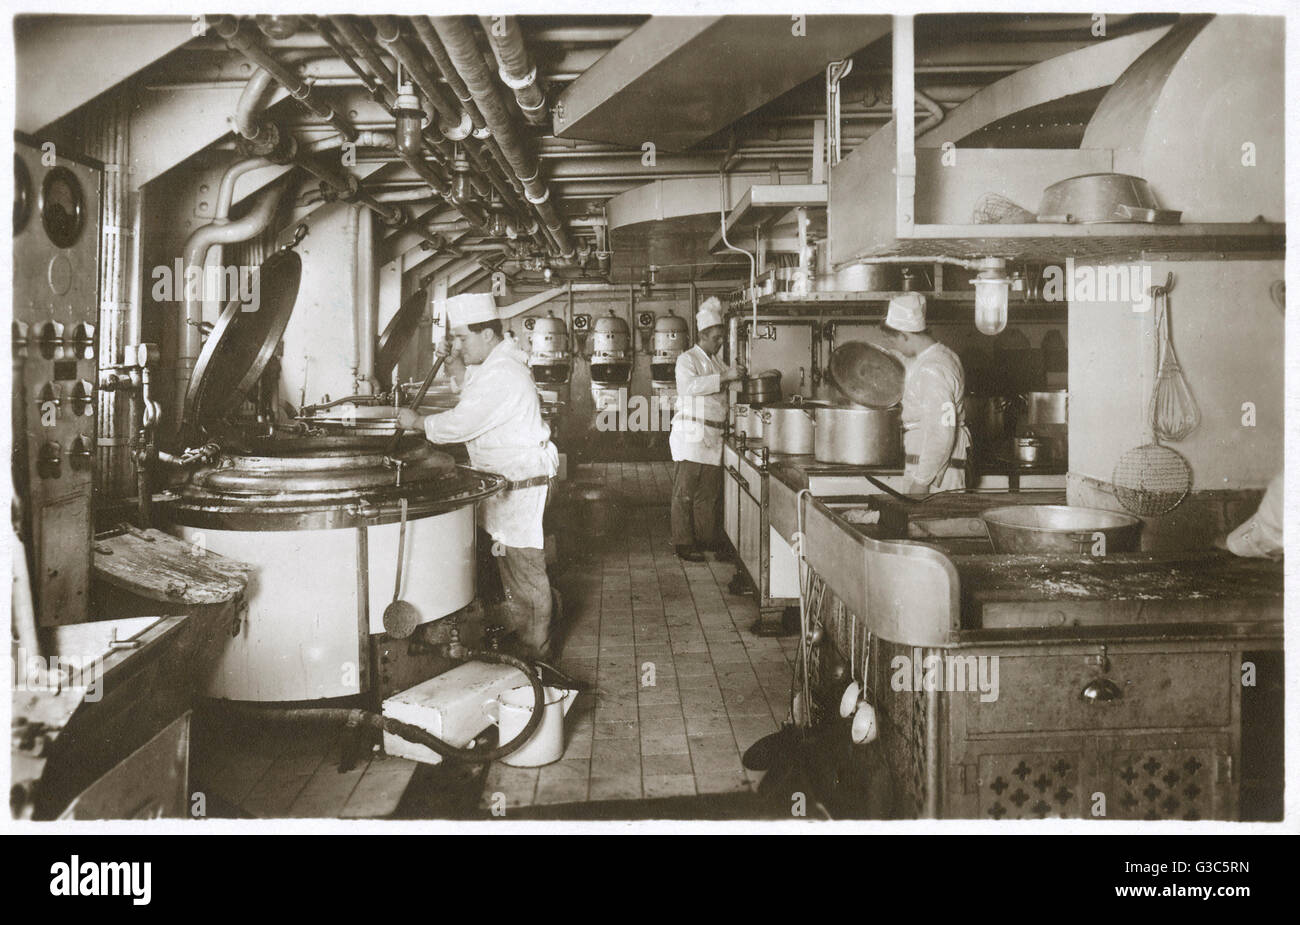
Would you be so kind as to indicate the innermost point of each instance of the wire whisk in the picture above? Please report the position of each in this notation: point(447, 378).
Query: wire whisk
point(1174, 412)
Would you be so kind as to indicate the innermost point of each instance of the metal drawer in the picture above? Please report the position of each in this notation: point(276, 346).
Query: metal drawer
point(1153, 690)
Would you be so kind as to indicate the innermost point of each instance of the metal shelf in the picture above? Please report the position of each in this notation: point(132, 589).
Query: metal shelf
point(1118, 241)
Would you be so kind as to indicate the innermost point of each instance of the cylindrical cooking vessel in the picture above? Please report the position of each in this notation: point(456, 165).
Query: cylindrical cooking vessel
point(761, 389)
point(1030, 449)
point(858, 436)
point(740, 419)
point(1046, 407)
point(867, 277)
point(790, 427)
point(989, 417)
point(1059, 529)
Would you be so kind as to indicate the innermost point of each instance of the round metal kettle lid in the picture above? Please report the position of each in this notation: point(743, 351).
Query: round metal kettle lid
point(867, 374)
point(242, 342)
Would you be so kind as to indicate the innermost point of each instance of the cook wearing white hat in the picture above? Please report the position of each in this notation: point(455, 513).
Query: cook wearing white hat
point(936, 440)
point(696, 437)
point(471, 308)
point(499, 420)
point(906, 312)
point(709, 315)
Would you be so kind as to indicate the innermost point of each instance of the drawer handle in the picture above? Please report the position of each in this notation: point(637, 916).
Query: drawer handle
point(1103, 690)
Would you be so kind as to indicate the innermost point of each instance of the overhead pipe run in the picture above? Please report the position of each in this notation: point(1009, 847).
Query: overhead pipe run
point(517, 70)
point(388, 32)
point(463, 50)
point(239, 38)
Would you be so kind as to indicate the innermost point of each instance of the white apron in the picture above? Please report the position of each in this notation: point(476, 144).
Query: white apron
point(499, 419)
point(696, 434)
point(934, 419)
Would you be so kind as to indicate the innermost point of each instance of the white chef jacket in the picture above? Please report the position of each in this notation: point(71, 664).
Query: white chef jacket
point(700, 395)
point(1261, 535)
point(499, 420)
point(934, 418)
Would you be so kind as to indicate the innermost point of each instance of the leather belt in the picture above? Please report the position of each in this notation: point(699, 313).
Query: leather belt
point(527, 483)
point(914, 460)
point(715, 424)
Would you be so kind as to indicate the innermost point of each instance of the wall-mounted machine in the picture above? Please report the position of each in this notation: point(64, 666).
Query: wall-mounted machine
point(672, 336)
point(611, 359)
point(302, 497)
point(549, 357)
point(55, 314)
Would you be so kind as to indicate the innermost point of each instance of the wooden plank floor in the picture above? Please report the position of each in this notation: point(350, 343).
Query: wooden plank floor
point(276, 773)
point(682, 687)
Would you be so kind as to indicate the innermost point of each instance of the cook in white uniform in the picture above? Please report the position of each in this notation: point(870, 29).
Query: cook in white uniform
point(696, 436)
point(935, 437)
point(498, 418)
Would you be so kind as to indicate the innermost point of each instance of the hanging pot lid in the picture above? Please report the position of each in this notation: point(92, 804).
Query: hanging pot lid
point(866, 374)
point(242, 342)
point(397, 335)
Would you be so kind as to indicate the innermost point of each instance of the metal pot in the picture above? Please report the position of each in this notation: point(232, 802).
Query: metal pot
point(1103, 197)
point(761, 389)
point(790, 427)
point(867, 277)
point(989, 417)
point(1046, 407)
point(740, 419)
point(1033, 449)
point(858, 436)
point(1059, 529)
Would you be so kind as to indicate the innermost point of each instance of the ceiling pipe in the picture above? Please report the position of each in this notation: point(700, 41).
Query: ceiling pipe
point(353, 37)
point(240, 39)
point(512, 191)
point(516, 68)
point(376, 90)
point(388, 31)
point(463, 50)
point(366, 303)
point(935, 111)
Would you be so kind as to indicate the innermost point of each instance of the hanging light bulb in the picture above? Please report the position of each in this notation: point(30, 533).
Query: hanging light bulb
point(992, 289)
point(409, 117)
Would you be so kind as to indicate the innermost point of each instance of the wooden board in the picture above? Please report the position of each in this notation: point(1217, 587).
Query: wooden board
point(160, 567)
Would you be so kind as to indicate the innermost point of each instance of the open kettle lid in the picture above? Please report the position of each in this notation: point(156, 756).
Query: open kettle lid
point(243, 341)
point(867, 375)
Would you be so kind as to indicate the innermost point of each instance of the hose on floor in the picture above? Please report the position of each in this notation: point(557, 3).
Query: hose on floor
point(331, 716)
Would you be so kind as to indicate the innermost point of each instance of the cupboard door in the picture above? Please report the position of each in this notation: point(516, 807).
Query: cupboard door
point(749, 528)
point(1031, 785)
point(1184, 780)
point(730, 508)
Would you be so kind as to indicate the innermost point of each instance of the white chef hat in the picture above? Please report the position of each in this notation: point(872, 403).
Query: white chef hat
point(471, 308)
point(709, 315)
point(906, 312)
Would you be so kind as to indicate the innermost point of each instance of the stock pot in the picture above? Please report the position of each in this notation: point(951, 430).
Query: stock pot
point(858, 436)
point(790, 426)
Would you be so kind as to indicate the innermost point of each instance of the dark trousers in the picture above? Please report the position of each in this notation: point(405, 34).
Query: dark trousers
point(694, 511)
point(527, 604)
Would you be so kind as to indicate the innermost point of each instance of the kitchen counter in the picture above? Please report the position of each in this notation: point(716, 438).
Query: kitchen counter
point(1016, 686)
